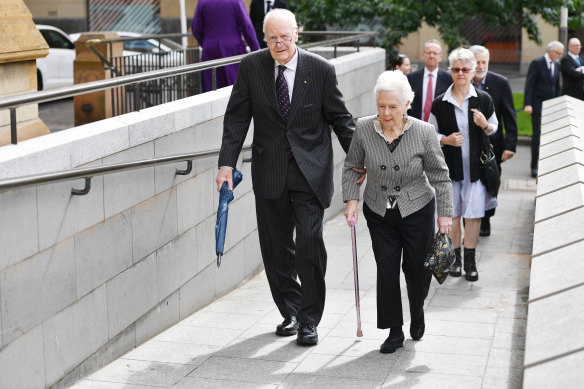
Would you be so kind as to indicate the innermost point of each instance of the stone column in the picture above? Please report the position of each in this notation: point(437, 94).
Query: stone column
point(21, 44)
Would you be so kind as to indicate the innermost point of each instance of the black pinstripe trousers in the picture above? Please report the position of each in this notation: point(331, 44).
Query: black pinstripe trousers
point(297, 210)
point(390, 235)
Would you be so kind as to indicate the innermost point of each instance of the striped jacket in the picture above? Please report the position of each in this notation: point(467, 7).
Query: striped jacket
point(409, 173)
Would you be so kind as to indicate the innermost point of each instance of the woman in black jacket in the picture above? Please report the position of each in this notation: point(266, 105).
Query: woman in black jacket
point(463, 117)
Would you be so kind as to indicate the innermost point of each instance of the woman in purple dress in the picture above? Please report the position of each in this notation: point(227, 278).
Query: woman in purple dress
point(218, 26)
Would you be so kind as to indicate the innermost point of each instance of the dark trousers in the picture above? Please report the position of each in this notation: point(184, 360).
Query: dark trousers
point(298, 210)
point(390, 236)
point(536, 127)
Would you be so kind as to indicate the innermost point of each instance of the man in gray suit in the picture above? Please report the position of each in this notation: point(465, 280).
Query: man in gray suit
point(293, 98)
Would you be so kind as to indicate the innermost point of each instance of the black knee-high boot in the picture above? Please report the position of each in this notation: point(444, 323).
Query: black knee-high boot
point(470, 266)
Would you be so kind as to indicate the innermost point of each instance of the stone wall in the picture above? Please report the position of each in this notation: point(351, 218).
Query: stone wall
point(554, 351)
point(83, 279)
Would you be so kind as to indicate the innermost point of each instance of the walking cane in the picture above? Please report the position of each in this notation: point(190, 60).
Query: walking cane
point(356, 276)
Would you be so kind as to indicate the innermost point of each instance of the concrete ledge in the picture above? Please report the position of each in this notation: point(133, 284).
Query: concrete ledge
point(554, 351)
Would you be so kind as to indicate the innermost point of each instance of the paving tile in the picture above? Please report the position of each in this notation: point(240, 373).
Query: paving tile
point(449, 345)
point(350, 347)
point(503, 378)
point(327, 382)
point(460, 329)
point(265, 348)
point(234, 321)
point(461, 314)
point(172, 352)
point(407, 380)
point(506, 358)
point(90, 384)
point(198, 335)
point(350, 367)
point(142, 372)
point(421, 362)
point(247, 370)
point(208, 383)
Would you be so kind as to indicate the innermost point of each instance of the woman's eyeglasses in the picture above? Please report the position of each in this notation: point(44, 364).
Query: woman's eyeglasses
point(457, 70)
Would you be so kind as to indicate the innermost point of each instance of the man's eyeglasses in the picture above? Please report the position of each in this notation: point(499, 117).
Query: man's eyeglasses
point(284, 41)
point(436, 53)
point(458, 70)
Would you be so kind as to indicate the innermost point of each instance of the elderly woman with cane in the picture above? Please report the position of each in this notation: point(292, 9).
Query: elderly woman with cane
point(404, 162)
point(463, 118)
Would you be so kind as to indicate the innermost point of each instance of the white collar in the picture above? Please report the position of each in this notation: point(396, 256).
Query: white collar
point(472, 92)
point(379, 130)
point(433, 72)
point(573, 55)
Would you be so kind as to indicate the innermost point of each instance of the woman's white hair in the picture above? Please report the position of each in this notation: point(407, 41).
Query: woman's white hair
point(280, 12)
point(394, 81)
point(463, 55)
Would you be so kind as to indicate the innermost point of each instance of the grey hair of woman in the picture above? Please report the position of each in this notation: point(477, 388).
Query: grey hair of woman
point(463, 55)
point(394, 81)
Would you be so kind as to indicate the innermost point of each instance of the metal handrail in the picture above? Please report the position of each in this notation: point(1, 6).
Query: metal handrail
point(89, 172)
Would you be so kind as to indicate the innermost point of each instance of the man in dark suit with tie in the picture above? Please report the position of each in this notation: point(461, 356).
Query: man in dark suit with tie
point(429, 82)
point(542, 83)
point(504, 142)
point(257, 10)
point(572, 75)
point(293, 99)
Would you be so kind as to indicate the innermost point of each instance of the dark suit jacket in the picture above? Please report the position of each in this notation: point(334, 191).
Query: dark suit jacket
point(572, 79)
point(499, 89)
point(416, 80)
point(256, 13)
point(316, 104)
point(539, 86)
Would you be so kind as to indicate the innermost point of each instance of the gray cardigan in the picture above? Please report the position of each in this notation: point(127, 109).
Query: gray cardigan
point(408, 174)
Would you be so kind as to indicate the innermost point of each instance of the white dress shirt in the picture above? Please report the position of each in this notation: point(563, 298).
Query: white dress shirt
point(289, 73)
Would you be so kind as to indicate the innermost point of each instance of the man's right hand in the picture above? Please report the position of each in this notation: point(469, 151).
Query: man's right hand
point(528, 109)
point(455, 139)
point(225, 175)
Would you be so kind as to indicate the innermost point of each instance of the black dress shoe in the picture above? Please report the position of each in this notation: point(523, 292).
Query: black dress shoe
point(288, 327)
point(390, 345)
point(485, 226)
point(307, 335)
point(417, 328)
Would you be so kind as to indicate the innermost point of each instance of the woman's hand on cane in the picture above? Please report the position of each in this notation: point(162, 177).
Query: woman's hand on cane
point(352, 210)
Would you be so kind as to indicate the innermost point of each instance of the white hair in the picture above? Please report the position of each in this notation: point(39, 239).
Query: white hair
point(280, 12)
point(463, 55)
point(478, 49)
point(554, 46)
point(394, 81)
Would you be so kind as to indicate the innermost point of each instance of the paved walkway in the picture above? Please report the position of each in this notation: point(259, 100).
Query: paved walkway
point(475, 332)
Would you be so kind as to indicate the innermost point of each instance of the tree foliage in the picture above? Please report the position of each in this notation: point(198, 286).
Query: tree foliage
point(397, 18)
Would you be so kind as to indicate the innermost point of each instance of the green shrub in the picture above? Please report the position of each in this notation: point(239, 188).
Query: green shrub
point(523, 119)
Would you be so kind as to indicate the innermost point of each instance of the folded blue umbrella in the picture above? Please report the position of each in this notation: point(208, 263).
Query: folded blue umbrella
point(225, 197)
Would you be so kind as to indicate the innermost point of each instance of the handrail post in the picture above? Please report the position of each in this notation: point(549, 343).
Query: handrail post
point(13, 132)
point(335, 55)
point(214, 79)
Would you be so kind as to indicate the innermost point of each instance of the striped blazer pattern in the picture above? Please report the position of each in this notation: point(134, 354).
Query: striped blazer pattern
point(317, 105)
point(410, 173)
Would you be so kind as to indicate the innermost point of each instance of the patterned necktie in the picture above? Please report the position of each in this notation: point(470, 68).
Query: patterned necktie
point(282, 93)
point(428, 103)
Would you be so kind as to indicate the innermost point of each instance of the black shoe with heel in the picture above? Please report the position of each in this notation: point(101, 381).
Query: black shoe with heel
point(456, 269)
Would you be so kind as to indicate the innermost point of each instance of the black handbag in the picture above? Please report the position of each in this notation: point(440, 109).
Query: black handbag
point(490, 170)
point(440, 256)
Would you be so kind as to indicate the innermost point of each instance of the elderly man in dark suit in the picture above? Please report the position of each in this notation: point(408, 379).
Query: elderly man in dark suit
point(258, 10)
point(293, 98)
point(542, 83)
point(572, 71)
point(429, 82)
point(504, 142)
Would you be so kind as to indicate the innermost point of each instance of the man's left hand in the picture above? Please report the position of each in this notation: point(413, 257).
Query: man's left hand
point(363, 174)
point(507, 155)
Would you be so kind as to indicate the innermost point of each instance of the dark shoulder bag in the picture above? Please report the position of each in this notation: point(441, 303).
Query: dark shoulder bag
point(490, 169)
